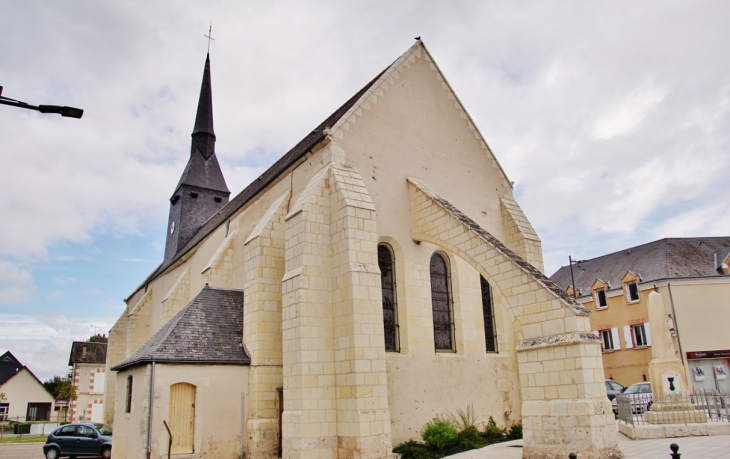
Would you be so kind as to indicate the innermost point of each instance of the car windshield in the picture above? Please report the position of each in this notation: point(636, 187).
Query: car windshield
point(634, 389)
point(104, 429)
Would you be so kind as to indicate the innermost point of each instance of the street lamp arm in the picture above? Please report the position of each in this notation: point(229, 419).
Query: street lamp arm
point(69, 112)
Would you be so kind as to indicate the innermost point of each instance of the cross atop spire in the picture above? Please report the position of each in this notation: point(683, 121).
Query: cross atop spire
point(210, 29)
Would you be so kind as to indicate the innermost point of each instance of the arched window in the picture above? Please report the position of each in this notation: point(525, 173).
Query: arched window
point(490, 331)
point(128, 407)
point(443, 323)
point(390, 308)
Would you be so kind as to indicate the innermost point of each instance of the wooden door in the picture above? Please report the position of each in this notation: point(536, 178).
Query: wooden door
point(182, 417)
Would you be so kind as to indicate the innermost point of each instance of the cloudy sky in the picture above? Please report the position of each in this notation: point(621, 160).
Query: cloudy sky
point(612, 118)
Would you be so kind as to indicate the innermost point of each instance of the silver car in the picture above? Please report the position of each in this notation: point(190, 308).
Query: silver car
point(639, 396)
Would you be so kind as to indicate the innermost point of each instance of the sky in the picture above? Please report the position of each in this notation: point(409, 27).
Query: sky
point(611, 117)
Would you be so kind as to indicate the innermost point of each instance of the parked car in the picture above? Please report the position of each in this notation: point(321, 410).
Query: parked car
point(639, 395)
point(80, 439)
point(613, 388)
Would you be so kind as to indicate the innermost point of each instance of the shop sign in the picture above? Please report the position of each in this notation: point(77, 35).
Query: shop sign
point(721, 354)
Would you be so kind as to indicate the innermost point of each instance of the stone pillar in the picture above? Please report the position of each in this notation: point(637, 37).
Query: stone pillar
point(264, 268)
point(310, 416)
point(335, 381)
point(666, 373)
point(116, 353)
point(139, 324)
point(176, 299)
point(363, 417)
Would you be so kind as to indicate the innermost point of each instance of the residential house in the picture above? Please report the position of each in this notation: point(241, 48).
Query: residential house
point(25, 397)
point(692, 276)
point(88, 367)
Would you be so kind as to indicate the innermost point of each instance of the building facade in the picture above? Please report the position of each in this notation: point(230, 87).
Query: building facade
point(377, 275)
point(25, 397)
point(88, 369)
point(692, 277)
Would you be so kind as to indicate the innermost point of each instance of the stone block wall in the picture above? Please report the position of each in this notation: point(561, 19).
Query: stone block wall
point(564, 406)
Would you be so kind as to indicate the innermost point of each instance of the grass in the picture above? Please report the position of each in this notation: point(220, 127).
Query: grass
point(10, 438)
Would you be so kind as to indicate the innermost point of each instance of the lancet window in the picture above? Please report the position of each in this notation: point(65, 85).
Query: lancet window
point(443, 320)
point(386, 262)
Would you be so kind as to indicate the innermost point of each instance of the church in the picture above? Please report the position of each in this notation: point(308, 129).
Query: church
point(380, 273)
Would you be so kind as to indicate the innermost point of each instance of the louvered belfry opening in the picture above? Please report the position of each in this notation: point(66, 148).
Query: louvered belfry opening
point(443, 323)
point(490, 332)
point(390, 308)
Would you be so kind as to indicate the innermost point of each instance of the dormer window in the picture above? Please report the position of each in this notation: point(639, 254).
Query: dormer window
point(600, 289)
point(632, 291)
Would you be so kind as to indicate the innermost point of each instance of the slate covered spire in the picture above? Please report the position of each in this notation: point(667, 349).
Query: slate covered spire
point(203, 134)
point(202, 190)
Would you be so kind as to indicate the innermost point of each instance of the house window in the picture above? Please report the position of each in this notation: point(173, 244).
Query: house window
point(443, 323)
point(128, 406)
point(490, 332)
point(632, 291)
point(601, 299)
point(607, 341)
point(4, 408)
point(38, 412)
point(390, 309)
point(638, 332)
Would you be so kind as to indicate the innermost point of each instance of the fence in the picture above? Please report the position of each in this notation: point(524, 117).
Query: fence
point(19, 426)
point(673, 409)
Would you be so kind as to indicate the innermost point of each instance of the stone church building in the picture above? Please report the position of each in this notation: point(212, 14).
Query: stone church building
point(378, 274)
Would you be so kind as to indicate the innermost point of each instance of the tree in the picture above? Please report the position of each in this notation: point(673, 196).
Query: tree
point(67, 391)
point(3, 397)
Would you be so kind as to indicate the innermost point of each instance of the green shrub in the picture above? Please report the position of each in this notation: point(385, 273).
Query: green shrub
point(515, 432)
point(414, 450)
point(492, 433)
point(21, 428)
point(464, 418)
point(439, 433)
point(470, 438)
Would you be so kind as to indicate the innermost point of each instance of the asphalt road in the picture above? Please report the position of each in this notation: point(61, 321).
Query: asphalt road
point(21, 450)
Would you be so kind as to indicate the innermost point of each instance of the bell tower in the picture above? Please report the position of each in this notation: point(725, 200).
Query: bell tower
point(202, 190)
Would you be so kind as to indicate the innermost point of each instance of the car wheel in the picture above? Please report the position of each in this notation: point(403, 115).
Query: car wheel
point(106, 453)
point(52, 453)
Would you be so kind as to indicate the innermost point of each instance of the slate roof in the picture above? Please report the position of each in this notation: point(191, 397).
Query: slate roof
point(670, 258)
point(9, 367)
point(264, 180)
point(208, 330)
point(95, 352)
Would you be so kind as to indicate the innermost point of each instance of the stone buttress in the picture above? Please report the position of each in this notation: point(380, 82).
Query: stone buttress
point(264, 268)
point(335, 383)
point(564, 403)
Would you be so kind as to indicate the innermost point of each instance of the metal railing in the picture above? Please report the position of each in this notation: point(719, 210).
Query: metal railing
point(20, 426)
point(673, 409)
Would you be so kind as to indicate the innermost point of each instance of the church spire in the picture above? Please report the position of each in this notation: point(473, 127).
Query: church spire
point(202, 190)
point(203, 134)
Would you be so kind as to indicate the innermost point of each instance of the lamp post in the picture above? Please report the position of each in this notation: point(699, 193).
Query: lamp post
point(69, 112)
point(572, 278)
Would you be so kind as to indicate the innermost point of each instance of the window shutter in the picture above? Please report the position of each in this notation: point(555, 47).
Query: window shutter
point(628, 339)
point(616, 339)
point(647, 332)
point(99, 379)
